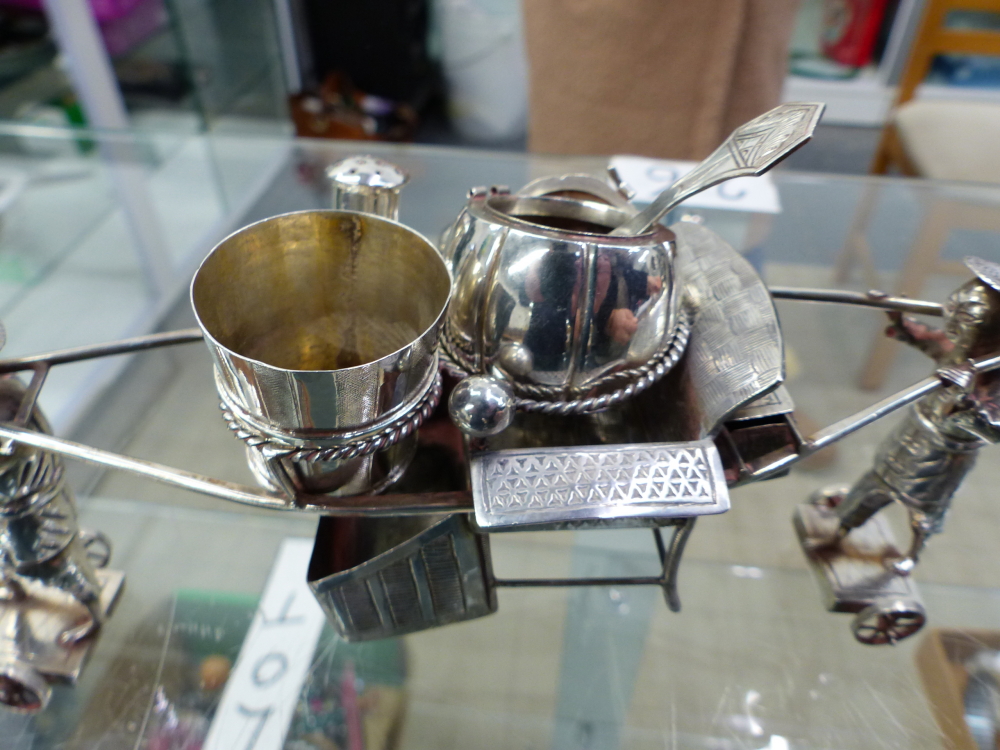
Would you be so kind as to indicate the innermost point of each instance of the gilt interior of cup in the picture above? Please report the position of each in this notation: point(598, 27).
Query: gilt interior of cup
point(571, 214)
point(320, 290)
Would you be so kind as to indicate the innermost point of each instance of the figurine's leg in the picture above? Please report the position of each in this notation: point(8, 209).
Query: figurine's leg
point(11, 589)
point(867, 497)
point(71, 572)
point(922, 527)
point(921, 531)
point(79, 579)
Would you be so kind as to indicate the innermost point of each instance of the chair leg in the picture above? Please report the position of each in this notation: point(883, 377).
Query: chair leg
point(856, 248)
point(890, 153)
point(884, 152)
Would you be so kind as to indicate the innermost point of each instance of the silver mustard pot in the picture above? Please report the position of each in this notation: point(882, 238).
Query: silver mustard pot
point(546, 300)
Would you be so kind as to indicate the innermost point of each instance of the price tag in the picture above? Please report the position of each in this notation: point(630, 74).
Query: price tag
point(649, 177)
point(259, 701)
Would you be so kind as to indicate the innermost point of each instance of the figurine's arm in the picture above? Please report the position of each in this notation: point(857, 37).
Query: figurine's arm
point(981, 415)
point(931, 341)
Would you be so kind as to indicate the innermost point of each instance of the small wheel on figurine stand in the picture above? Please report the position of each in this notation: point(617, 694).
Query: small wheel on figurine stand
point(97, 546)
point(888, 621)
point(22, 688)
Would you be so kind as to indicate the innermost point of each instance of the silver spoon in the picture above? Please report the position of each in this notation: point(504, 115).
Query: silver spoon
point(750, 150)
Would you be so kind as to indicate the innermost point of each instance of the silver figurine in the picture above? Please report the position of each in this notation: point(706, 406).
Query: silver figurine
point(924, 460)
point(919, 465)
point(54, 595)
point(602, 373)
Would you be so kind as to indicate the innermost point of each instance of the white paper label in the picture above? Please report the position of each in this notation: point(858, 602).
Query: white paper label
point(259, 700)
point(649, 177)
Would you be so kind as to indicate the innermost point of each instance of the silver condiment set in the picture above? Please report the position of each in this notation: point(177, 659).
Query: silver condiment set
point(601, 370)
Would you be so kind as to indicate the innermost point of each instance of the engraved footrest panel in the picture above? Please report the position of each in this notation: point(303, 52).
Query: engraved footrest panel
point(638, 482)
point(403, 583)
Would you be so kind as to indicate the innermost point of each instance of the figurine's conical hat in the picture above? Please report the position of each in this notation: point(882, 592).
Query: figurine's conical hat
point(987, 271)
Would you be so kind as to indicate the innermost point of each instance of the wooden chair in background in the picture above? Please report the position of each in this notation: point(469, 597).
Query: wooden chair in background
point(939, 139)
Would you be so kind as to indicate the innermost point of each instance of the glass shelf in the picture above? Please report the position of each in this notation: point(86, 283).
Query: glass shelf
point(752, 660)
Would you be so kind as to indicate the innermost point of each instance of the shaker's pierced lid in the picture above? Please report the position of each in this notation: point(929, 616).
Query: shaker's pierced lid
point(367, 171)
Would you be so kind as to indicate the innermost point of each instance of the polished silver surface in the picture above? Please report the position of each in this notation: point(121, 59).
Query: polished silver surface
point(736, 353)
point(384, 578)
point(872, 298)
point(366, 184)
point(347, 463)
point(323, 327)
point(125, 346)
point(731, 374)
point(612, 390)
point(336, 446)
point(734, 358)
point(670, 561)
point(518, 488)
point(750, 150)
point(619, 386)
point(923, 461)
point(481, 406)
point(386, 505)
point(544, 298)
point(583, 186)
point(321, 320)
point(848, 425)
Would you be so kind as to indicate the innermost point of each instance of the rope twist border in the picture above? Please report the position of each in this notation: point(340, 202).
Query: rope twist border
point(640, 378)
point(400, 428)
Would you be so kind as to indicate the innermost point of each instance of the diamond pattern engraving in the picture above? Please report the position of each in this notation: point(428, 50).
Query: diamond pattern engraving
point(635, 479)
point(755, 142)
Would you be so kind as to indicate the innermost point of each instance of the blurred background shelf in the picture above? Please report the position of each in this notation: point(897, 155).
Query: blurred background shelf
point(863, 97)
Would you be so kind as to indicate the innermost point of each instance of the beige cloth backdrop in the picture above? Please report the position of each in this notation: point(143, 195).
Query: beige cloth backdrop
point(664, 78)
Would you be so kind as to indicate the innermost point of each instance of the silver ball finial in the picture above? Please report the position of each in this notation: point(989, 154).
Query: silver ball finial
point(516, 359)
point(481, 406)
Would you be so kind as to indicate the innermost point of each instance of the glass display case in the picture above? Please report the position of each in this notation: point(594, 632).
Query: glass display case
point(752, 660)
point(182, 66)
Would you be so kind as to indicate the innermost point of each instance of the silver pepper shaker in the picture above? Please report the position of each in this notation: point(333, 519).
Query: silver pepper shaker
point(368, 184)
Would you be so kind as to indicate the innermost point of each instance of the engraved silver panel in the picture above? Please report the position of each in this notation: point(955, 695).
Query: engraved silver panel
point(736, 353)
point(403, 583)
point(514, 488)
point(778, 401)
point(751, 149)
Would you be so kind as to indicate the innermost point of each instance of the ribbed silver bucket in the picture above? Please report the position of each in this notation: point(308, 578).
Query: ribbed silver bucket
point(323, 328)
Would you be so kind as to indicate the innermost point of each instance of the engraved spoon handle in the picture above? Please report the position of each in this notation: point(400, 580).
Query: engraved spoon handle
point(750, 150)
